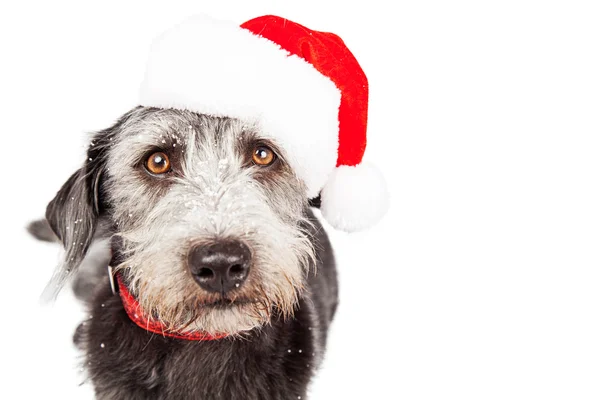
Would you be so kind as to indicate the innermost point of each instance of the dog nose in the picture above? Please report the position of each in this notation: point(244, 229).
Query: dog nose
point(221, 266)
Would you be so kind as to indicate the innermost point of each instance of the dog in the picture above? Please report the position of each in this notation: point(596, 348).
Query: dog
point(189, 230)
point(193, 244)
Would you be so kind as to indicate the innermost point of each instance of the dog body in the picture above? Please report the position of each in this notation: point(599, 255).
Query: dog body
point(211, 231)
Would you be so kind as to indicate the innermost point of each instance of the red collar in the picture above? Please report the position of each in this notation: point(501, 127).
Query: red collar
point(136, 314)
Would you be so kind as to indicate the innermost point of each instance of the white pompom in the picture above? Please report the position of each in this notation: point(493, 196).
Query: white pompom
point(354, 198)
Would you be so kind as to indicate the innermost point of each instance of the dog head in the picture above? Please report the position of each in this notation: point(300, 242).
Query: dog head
point(211, 218)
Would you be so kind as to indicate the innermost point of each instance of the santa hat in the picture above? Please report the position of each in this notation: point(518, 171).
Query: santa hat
point(302, 88)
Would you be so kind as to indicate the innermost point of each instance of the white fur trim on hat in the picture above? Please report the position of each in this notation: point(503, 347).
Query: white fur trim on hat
point(354, 198)
point(218, 68)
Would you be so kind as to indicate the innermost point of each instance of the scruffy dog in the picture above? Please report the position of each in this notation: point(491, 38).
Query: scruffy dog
point(188, 230)
point(213, 233)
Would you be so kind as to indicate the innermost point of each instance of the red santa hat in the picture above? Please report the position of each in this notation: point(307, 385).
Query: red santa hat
point(303, 89)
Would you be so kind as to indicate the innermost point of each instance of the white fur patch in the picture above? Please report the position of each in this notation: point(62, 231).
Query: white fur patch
point(217, 68)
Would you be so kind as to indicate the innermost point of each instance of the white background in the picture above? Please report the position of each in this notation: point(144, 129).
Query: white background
point(483, 282)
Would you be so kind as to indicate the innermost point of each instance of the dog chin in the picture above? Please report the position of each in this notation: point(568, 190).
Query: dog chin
point(230, 319)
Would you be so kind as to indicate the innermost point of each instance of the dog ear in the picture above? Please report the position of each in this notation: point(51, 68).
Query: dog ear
point(315, 201)
point(73, 216)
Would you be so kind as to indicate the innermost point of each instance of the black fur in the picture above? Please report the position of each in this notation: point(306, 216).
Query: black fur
point(315, 202)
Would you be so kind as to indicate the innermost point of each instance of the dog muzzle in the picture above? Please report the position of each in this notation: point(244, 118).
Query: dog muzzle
point(140, 317)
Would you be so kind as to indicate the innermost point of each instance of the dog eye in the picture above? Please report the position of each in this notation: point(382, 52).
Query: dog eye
point(158, 163)
point(263, 156)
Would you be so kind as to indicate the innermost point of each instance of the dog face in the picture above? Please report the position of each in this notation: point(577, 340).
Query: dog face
point(199, 203)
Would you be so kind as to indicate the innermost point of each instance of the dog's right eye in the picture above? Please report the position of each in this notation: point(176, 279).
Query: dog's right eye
point(263, 156)
point(158, 163)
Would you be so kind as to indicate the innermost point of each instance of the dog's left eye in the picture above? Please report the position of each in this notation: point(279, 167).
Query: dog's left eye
point(158, 163)
point(263, 156)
